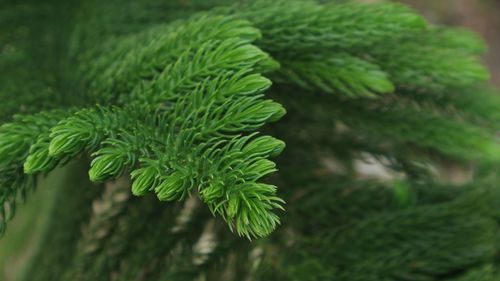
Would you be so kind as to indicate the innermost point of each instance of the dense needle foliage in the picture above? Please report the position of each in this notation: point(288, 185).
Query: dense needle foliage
point(180, 111)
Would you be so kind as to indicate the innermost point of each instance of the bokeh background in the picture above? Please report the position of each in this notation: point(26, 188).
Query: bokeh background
point(482, 16)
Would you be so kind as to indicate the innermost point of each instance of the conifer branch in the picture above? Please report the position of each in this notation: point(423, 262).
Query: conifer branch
point(178, 107)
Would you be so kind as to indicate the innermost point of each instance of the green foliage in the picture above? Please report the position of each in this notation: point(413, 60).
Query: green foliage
point(191, 115)
point(172, 104)
point(344, 74)
point(414, 254)
point(302, 27)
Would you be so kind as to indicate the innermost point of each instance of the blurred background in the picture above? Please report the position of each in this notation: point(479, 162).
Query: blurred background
point(482, 16)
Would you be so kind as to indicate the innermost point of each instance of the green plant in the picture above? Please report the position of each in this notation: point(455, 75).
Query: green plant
point(168, 98)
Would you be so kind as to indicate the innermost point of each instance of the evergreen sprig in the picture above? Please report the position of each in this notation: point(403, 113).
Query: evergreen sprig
point(177, 107)
point(197, 107)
